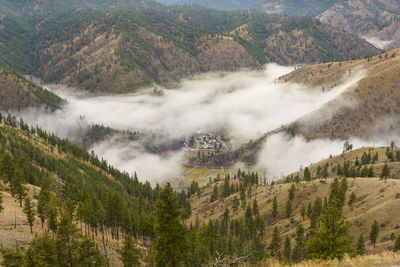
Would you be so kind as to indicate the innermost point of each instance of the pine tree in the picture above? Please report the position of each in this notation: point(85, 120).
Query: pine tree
point(41, 252)
point(275, 243)
point(6, 167)
point(360, 245)
point(52, 214)
point(235, 205)
point(255, 207)
point(331, 239)
point(88, 254)
point(130, 253)
point(171, 244)
point(287, 251)
point(373, 235)
point(11, 257)
point(352, 199)
point(67, 239)
point(307, 174)
point(303, 212)
point(385, 173)
point(17, 188)
point(298, 250)
point(43, 201)
point(275, 208)
point(292, 192)
point(396, 246)
point(29, 211)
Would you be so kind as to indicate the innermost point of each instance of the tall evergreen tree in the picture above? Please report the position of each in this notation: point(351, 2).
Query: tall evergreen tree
point(287, 250)
point(275, 243)
point(331, 239)
point(17, 187)
point(373, 235)
point(298, 250)
point(171, 244)
point(360, 245)
point(130, 253)
point(41, 252)
point(307, 174)
point(88, 254)
point(29, 211)
point(6, 167)
point(275, 208)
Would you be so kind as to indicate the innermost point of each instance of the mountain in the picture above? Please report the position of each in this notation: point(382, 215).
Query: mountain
point(287, 7)
point(17, 93)
point(368, 110)
point(121, 46)
point(378, 21)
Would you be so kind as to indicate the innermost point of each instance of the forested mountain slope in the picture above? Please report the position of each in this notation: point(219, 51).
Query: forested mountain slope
point(121, 46)
point(376, 20)
point(17, 93)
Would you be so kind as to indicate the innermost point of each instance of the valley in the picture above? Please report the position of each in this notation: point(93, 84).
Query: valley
point(199, 133)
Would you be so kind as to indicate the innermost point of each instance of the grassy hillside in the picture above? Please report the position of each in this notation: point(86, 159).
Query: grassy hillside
point(367, 110)
point(376, 199)
point(17, 93)
point(122, 46)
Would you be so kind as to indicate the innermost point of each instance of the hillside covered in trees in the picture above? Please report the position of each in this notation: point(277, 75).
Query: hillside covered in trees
point(75, 209)
point(120, 46)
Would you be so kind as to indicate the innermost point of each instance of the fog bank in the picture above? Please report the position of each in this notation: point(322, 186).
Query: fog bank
point(246, 104)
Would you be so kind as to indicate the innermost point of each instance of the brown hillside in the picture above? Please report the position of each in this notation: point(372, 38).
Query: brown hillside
point(367, 110)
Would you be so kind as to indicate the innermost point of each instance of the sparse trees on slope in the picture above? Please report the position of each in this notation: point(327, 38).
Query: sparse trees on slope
point(171, 244)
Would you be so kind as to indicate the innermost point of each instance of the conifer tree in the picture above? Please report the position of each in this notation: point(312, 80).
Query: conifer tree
point(88, 254)
point(298, 250)
point(41, 252)
point(171, 244)
point(275, 208)
point(331, 238)
point(292, 192)
point(307, 174)
point(288, 250)
point(17, 188)
point(235, 205)
point(303, 212)
point(396, 246)
point(6, 167)
point(373, 235)
point(360, 245)
point(275, 243)
point(29, 211)
point(385, 173)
